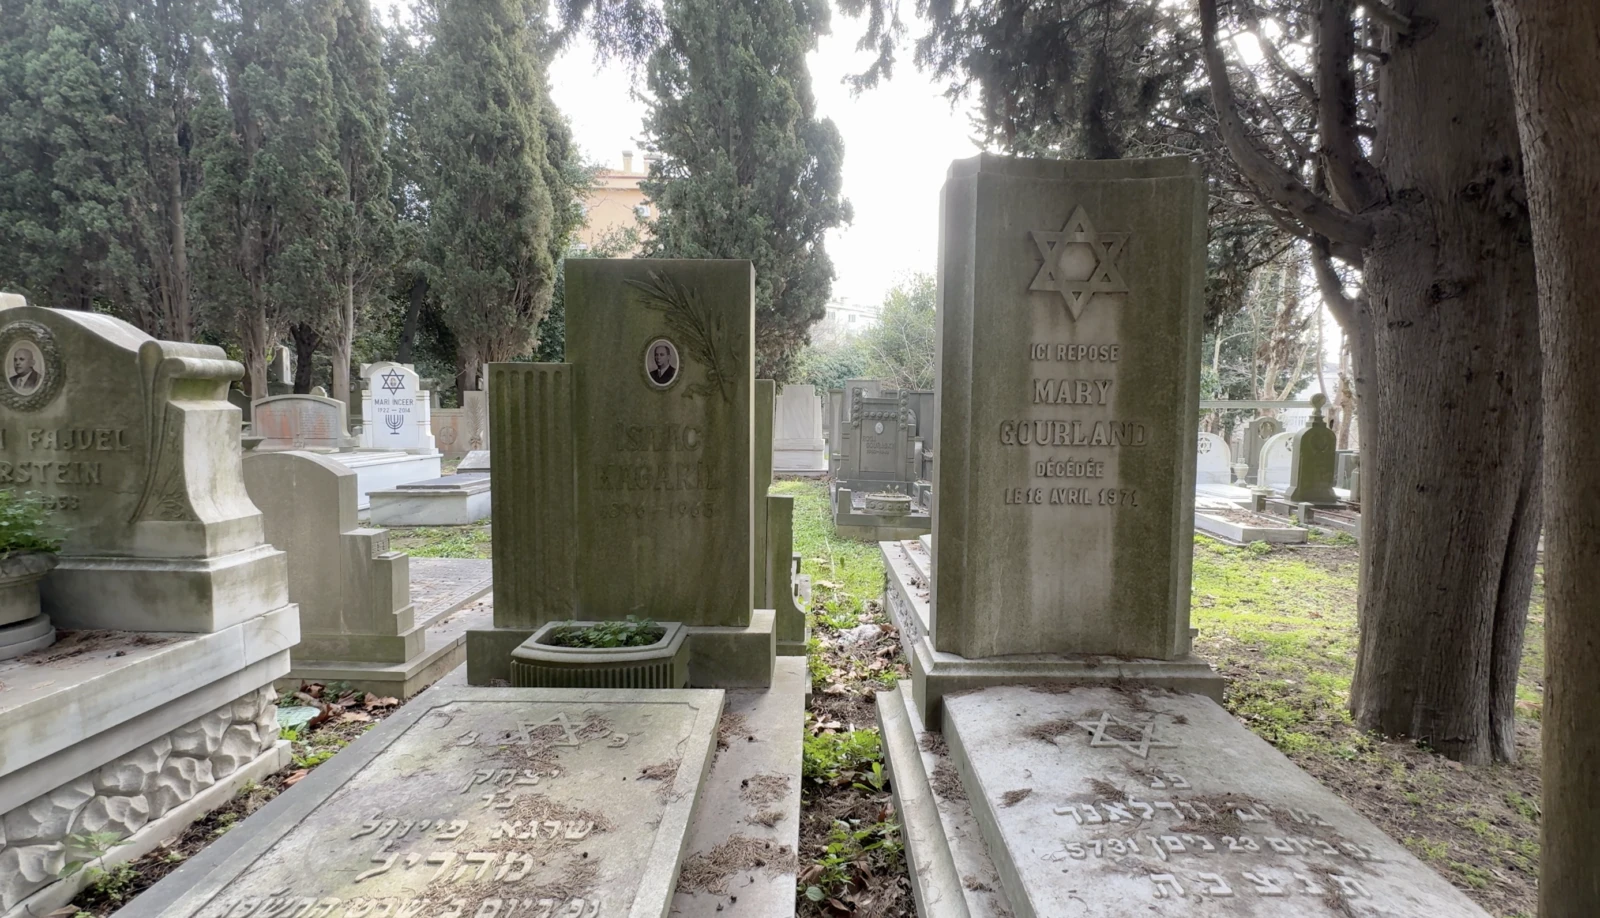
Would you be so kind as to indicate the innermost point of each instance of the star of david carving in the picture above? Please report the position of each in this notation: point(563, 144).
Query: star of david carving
point(569, 733)
point(393, 382)
point(1064, 270)
point(1099, 738)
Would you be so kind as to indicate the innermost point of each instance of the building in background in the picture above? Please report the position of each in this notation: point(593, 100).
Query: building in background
point(615, 203)
point(845, 319)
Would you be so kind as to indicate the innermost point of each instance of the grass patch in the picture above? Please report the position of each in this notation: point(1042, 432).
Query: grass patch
point(443, 541)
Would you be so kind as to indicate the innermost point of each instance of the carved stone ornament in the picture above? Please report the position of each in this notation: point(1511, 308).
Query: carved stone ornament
point(35, 384)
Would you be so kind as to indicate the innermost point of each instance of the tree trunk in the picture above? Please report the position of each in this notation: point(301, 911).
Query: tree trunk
point(1555, 78)
point(408, 331)
point(255, 346)
point(306, 340)
point(1450, 514)
point(343, 339)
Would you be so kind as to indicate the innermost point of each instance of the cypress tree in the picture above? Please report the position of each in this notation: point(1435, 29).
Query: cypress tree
point(493, 224)
point(744, 168)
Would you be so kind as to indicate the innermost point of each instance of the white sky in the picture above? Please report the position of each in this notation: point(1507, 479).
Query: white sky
point(899, 140)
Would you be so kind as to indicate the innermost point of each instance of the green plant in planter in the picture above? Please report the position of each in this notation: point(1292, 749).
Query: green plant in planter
point(635, 632)
point(25, 525)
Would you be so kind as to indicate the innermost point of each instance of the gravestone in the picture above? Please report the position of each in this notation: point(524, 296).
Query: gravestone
point(394, 409)
point(1314, 451)
point(299, 422)
point(875, 493)
point(624, 478)
point(357, 621)
point(1068, 388)
point(475, 461)
point(798, 444)
point(134, 447)
point(1253, 436)
point(1213, 464)
point(1103, 803)
point(475, 802)
point(280, 372)
point(1273, 466)
point(475, 418)
point(835, 421)
point(448, 431)
point(763, 457)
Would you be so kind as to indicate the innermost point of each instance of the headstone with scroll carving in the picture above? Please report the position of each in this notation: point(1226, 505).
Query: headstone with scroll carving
point(135, 446)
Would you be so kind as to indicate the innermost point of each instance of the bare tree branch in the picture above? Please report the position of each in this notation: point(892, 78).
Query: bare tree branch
point(1340, 305)
point(1397, 23)
point(1276, 182)
point(1353, 181)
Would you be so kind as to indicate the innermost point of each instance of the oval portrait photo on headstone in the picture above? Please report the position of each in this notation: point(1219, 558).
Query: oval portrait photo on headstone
point(31, 370)
point(661, 366)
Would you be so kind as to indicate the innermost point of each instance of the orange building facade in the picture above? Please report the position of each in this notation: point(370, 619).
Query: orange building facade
point(615, 203)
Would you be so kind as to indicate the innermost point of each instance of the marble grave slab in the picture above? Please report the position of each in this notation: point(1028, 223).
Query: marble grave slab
point(1113, 803)
point(512, 803)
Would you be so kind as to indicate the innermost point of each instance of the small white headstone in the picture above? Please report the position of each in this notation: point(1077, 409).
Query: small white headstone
point(1275, 461)
point(394, 408)
point(1212, 460)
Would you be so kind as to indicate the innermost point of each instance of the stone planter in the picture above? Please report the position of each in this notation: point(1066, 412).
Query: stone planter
point(19, 584)
point(537, 663)
point(888, 504)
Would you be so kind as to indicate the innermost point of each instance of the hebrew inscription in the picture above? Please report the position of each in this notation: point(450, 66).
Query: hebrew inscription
point(481, 810)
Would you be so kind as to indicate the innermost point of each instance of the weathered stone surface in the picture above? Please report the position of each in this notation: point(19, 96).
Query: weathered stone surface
point(299, 422)
point(1100, 802)
point(201, 736)
point(25, 870)
point(1069, 344)
point(240, 744)
point(132, 773)
point(135, 442)
point(49, 817)
point(473, 798)
point(122, 816)
point(180, 778)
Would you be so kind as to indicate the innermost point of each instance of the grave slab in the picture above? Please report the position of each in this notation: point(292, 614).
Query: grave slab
point(471, 801)
point(1114, 802)
point(741, 854)
point(1243, 527)
point(450, 500)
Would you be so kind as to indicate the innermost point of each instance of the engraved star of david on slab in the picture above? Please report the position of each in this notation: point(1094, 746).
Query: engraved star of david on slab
point(1079, 261)
point(569, 734)
point(393, 382)
point(1140, 747)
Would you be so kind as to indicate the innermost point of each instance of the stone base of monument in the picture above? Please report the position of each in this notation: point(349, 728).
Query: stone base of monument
point(800, 458)
point(730, 657)
point(176, 594)
point(451, 500)
point(1119, 802)
point(1241, 527)
point(441, 591)
point(539, 662)
point(936, 674)
point(26, 636)
point(854, 519)
point(476, 802)
point(113, 731)
point(382, 470)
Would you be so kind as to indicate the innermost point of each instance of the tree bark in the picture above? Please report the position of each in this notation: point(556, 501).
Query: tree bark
point(306, 341)
point(408, 331)
point(1554, 51)
point(1450, 469)
point(344, 334)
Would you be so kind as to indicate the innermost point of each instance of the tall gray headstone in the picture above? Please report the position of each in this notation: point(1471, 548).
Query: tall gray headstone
point(1068, 347)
